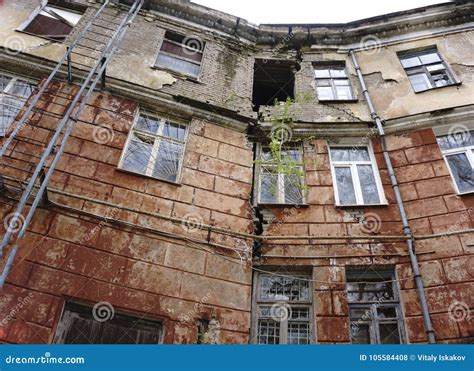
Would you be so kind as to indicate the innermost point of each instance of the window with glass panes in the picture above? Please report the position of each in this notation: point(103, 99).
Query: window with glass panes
point(374, 307)
point(355, 176)
point(458, 151)
point(283, 310)
point(332, 83)
point(14, 92)
point(181, 54)
point(155, 147)
point(426, 70)
point(280, 180)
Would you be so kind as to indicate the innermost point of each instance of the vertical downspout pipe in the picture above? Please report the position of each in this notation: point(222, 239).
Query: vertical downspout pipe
point(396, 189)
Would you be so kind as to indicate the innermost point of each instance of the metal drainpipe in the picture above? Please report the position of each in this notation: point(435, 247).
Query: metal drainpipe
point(396, 189)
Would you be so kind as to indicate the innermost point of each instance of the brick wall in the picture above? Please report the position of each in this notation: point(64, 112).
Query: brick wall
point(69, 255)
point(432, 207)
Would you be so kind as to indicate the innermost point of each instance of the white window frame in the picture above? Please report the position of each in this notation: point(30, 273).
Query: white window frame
point(332, 85)
point(446, 130)
point(6, 93)
point(258, 302)
point(355, 175)
point(158, 138)
point(281, 179)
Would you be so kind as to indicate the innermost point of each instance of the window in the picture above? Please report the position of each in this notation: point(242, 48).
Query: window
point(374, 308)
point(273, 80)
point(81, 324)
point(155, 148)
point(181, 54)
point(280, 176)
point(13, 94)
point(53, 23)
point(458, 152)
point(426, 70)
point(355, 175)
point(282, 310)
point(332, 83)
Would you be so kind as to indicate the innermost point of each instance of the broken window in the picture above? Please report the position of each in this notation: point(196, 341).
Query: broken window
point(280, 176)
point(426, 70)
point(82, 324)
point(13, 94)
point(53, 23)
point(374, 308)
point(355, 176)
point(332, 83)
point(283, 310)
point(273, 80)
point(155, 147)
point(181, 54)
point(458, 151)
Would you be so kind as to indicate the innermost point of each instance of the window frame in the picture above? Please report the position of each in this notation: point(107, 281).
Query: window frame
point(332, 85)
point(422, 69)
point(80, 309)
point(355, 176)
point(257, 303)
point(468, 151)
point(5, 93)
point(197, 77)
point(371, 307)
point(281, 179)
point(38, 10)
point(158, 137)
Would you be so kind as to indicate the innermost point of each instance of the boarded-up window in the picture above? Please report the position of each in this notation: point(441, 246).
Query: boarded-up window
point(53, 23)
point(181, 54)
point(78, 326)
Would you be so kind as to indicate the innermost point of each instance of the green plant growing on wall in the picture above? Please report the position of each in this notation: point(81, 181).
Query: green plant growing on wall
point(278, 159)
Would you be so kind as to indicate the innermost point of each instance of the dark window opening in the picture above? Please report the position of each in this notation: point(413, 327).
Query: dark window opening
point(273, 80)
point(82, 324)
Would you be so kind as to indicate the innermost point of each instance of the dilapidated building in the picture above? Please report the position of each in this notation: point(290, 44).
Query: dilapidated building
point(174, 174)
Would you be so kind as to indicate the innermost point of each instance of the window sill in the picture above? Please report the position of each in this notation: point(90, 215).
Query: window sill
point(354, 206)
point(465, 193)
point(304, 205)
point(190, 78)
point(338, 100)
point(130, 172)
point(459, 83)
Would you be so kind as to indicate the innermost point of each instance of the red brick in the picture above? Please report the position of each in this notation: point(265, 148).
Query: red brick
point(409, 140)
point(232, 188)
point(241, 156)
point(414, 173)
point(425, 208)
point(220, 202)
point(430, 188)
point(332, 329)
point(459, 269)
point(225, 135)
point(225, 169)
point(425, 153)
point(202, 146)
point(198, 179)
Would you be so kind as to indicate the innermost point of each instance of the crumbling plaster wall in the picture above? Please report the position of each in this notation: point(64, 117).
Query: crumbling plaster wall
point(390, 88)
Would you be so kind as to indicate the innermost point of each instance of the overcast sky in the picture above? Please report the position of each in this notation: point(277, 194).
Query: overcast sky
point(311, 11)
